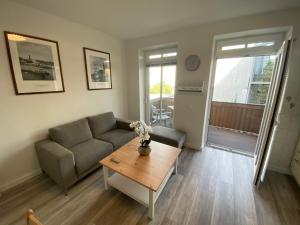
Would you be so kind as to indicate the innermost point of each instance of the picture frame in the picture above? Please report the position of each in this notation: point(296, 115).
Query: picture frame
point(35, 64)
point(98, 69)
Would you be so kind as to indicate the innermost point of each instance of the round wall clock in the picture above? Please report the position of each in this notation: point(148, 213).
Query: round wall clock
point(192, 62)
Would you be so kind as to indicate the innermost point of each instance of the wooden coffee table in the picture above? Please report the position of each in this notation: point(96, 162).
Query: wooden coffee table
point(141, 177)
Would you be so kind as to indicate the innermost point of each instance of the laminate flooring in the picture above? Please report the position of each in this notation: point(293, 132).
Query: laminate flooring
point(212, 187)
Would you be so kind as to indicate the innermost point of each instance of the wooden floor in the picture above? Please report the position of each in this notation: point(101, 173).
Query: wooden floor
point(242, 142)
point(212, 187)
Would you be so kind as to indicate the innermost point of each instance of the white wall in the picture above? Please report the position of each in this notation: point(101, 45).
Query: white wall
point(190, 108)
point(26, 119)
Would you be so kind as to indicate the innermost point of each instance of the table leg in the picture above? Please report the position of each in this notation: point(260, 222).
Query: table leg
point(151, 204)
point(105, 175)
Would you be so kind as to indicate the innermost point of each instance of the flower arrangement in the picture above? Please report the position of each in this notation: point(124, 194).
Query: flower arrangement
point(142, 130)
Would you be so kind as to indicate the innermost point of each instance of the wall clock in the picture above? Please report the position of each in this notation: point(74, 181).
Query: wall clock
point(192, 62)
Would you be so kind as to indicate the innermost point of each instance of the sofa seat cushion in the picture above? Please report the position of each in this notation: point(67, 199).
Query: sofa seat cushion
point(102, 123)
point(89, 153)
point(117, 137)
point(71, 134)
point(169, 136)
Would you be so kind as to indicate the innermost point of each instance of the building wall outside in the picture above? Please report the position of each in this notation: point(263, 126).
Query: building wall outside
point(232, 79)
point(235, 77)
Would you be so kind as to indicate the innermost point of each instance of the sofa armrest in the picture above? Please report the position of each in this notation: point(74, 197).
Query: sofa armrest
point(123, 124)
point(57, 161)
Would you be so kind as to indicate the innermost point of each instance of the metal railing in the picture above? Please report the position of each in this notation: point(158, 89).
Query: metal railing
point(161, 112)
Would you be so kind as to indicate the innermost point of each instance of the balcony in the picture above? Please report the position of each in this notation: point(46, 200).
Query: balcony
point(235, 126)
point(162, 111)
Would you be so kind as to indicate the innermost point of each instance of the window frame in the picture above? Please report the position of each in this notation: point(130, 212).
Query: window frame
point(277, 38)
point(170, 60)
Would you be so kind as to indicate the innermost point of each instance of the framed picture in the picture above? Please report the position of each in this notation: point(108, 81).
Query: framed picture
point(35, 64)
point(98, 69)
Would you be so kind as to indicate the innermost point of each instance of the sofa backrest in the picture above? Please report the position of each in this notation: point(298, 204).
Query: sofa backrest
point(102, 123)
point(71, 134)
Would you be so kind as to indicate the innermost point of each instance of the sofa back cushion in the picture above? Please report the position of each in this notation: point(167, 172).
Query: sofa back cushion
point(71, 134)
point(102, 123)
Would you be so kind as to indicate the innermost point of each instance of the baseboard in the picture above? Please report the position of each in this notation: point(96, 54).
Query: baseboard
point(20, 180)
point(188, 145)
point(279, 169)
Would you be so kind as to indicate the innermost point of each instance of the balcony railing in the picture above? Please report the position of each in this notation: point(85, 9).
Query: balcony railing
point(161, 112)
point(242, 117)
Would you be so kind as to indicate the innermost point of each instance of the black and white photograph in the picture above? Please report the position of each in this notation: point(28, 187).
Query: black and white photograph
point(35, 64)
point(36, 61)
point(98, 69)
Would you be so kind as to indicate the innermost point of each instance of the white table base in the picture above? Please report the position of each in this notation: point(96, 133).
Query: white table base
point(141, 194)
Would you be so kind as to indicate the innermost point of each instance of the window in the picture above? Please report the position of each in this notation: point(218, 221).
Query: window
point(164, 55)
point(170, 54)
point(261, 79)
point(258, 93)
point(255, 45)
point(156, 56)
point(260, 44)
point(233, 47)
point(249, 45)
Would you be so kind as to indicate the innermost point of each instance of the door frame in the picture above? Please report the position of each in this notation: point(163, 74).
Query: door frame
point(262, 157)
point(147, 93)
point(147, 96)
point(144, 79)
point(287, 31)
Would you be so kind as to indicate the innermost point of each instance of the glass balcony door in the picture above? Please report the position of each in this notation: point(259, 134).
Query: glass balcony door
point(161, 90)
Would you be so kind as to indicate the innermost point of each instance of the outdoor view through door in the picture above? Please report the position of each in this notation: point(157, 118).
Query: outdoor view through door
point(161, 94)
point(239, 97)
point(160, 86)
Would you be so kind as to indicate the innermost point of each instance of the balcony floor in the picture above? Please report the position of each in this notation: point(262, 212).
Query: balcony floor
point(233, 140)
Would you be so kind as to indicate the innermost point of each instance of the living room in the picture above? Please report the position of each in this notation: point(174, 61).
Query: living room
point(206, 185)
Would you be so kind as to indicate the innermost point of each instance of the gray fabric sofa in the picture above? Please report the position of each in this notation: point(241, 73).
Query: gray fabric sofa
point(168, 136)
point(75, 149)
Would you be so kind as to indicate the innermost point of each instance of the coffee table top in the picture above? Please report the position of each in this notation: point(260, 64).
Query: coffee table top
point(148, 171)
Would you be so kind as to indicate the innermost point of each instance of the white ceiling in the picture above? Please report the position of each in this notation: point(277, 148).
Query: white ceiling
point(135, 18)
